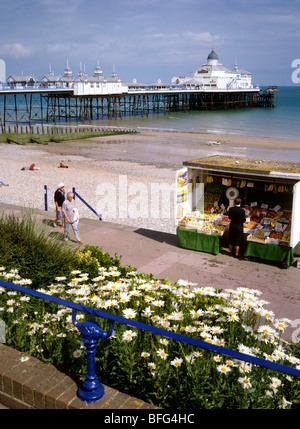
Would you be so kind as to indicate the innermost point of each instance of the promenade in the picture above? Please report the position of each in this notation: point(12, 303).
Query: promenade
point(156, 253)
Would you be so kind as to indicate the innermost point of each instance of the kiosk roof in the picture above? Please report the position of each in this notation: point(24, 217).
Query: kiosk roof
point(247, 165)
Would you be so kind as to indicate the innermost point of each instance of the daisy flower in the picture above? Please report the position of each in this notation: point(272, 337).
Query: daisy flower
point(245, 382)
point(128, 335)
point(158, 303)
point(24, 358)
point(129, 313)
point(195, 314)
point(224, 369)
point(176, 362)
point(77, 353)
point(161, 353)
point(217, 358)
point(267, 330)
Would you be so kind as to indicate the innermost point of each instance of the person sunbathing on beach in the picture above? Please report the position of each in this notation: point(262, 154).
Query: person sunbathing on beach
point(31, 167)
point(62, 165)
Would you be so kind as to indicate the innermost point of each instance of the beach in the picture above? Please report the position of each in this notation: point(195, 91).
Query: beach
point(128, 179)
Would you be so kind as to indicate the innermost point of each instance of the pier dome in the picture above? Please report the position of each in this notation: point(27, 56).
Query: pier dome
point(212, 58)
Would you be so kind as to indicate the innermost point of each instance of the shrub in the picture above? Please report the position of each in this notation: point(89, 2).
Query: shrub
point(25, 244)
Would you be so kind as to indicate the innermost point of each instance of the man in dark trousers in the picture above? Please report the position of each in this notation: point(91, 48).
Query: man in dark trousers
point(59, 198)
point(237, 218)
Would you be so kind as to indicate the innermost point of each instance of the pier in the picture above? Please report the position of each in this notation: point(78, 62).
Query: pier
point(45, 105)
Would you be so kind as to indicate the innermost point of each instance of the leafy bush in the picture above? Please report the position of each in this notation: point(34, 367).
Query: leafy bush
point(26, 244)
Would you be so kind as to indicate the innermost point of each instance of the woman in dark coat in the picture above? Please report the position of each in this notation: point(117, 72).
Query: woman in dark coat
point(237, 218)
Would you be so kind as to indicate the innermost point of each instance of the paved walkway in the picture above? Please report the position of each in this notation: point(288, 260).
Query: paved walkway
point(158, 253)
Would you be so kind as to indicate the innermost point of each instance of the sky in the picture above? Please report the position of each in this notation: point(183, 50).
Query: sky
point(150, 39)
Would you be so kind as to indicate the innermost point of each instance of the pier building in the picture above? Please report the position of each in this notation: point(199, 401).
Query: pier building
point(213, 75)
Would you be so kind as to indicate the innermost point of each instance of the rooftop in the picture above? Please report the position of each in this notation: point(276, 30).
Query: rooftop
point(250, 165)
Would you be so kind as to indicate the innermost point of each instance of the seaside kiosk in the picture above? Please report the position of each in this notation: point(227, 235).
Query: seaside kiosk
point(270, 193)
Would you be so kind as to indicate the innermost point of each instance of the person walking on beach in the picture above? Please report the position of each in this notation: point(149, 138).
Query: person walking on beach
point(59, 198)
point(237, 218)
point(71, 217)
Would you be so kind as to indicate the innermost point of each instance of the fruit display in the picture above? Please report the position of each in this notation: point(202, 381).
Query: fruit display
point(250, 225)
point(207, 228)
point(219, 229)
point(257, 239)
point(285, 237)
point(266, 220)
point(275, 235)
point(185, 221)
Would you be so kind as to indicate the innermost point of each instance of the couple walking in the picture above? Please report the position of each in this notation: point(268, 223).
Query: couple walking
point(67, 212)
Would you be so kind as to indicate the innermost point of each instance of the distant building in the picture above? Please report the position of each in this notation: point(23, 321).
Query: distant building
point(98, 84)
point(2, 72)
point(50, 80)
point(135, 85)
point(21, 81)
point(213, 75)
point(159, 85)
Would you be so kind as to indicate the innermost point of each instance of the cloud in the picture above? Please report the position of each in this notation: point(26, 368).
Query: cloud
point(200, 37)
point(15, 50)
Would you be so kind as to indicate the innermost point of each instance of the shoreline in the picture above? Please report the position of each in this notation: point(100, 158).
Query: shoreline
point(100, 166)
point(247, 140)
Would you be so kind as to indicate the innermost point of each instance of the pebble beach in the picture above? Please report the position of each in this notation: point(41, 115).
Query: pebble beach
point(128, 179)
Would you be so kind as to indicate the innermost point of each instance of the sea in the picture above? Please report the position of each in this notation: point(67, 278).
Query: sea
point(282, 121)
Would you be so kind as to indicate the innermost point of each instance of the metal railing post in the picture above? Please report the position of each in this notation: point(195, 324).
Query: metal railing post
point(46, 198)
point(91, 389)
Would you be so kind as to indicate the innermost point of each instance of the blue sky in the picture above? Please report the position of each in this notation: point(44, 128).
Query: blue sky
point(150, 39)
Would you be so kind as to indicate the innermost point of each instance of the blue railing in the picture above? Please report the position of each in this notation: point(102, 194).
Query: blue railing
point(75, 195)
point(84, 202)
point(91, 389)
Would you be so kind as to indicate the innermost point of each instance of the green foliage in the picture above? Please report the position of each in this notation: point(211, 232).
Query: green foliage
point(91, 258)
point(25, 244)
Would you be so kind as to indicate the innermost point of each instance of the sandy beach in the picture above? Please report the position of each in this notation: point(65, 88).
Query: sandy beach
point(119, 176)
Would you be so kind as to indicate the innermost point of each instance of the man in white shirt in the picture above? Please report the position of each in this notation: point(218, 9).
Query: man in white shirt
point(71, 217)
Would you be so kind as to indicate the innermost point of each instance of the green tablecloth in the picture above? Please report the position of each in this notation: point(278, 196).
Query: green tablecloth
point(271, 252)
point(191, 239)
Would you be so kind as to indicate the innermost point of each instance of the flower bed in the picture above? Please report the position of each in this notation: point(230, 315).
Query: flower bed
point(158, 370)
